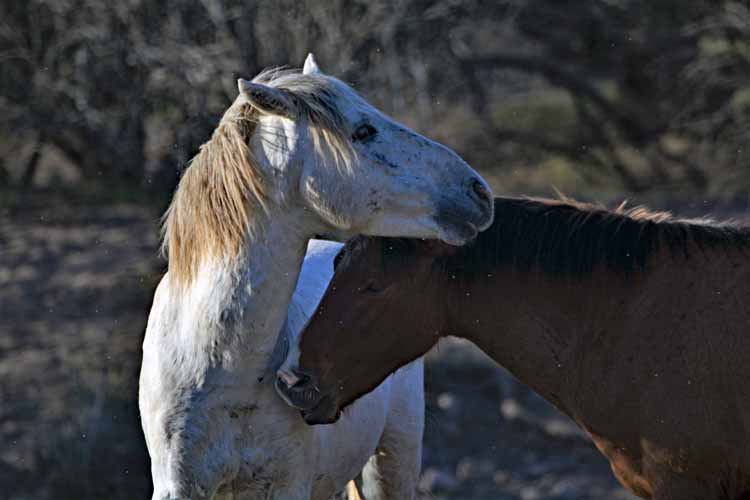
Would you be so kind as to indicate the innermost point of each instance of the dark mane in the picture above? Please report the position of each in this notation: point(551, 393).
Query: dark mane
point(569, 238)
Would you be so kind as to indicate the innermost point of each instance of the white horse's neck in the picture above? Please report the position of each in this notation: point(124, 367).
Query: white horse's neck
point(235, 310)
point(270, 273)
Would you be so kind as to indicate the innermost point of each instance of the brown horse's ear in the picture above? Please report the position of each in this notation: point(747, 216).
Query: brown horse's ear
point(267, 99)
point(437, 249)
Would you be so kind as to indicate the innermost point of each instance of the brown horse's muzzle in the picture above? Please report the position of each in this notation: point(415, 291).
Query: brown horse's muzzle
point(325, 412)
point(297, 389)
point(300, 391)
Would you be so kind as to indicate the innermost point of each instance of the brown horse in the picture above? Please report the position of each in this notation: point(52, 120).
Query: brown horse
point(633, 323)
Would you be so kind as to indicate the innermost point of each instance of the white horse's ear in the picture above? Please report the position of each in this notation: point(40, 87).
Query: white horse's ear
point(266, 99)
point(311, 67)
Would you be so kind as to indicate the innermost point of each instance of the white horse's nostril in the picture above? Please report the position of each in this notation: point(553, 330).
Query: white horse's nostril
point(289, 378)
point(481, 191)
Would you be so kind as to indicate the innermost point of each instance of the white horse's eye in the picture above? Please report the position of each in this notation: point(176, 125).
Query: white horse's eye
point(364, 132)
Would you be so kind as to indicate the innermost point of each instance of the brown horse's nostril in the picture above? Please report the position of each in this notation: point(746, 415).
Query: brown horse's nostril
point(481, 191)
point(293, 380)
point(287, 377)
point(297, 389)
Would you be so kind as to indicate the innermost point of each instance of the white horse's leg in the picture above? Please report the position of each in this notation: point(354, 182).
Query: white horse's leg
point(393, 472)
point(350, 493)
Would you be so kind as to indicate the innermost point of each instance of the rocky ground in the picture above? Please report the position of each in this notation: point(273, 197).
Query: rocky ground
point(75, 287)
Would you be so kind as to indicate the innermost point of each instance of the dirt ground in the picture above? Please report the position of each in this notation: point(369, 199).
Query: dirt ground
point(75, 288)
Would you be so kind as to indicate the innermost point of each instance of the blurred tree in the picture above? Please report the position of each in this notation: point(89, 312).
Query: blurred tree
point(86, 77)
point(660, 89)
point(657, 91)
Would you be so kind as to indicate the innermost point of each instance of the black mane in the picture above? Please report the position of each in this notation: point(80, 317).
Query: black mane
point(569, 238)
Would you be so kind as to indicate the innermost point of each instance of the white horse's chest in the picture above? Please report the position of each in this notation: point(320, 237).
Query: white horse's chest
point(276, 447)
point(270, 455)
point(276, 451)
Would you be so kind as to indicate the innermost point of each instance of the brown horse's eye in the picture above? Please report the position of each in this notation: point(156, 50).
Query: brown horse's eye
point(364, 132)
point(372, 287)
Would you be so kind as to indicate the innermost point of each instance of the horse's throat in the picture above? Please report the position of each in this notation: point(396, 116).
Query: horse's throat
point(260, 288)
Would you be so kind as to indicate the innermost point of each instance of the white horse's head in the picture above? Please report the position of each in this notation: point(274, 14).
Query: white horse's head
point(360, 171)
point(308, 140)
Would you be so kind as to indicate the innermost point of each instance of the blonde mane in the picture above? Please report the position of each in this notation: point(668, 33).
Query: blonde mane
point(224, 193)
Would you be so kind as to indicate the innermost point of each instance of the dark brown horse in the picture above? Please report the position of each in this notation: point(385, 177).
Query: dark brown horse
point(633, 323)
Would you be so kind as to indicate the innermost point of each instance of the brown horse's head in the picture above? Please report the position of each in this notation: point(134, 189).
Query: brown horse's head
point(382, 310)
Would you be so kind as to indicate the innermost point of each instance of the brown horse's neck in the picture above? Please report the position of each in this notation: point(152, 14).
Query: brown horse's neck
point(541, 327)
point(558, 292)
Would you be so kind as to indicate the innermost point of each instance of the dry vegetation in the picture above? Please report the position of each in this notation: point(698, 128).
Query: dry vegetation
point(627, 95)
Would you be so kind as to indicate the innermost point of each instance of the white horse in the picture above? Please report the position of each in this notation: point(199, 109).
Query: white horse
point(296, 154)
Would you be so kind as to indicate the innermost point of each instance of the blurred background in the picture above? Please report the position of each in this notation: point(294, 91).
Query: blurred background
point(102, 104)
